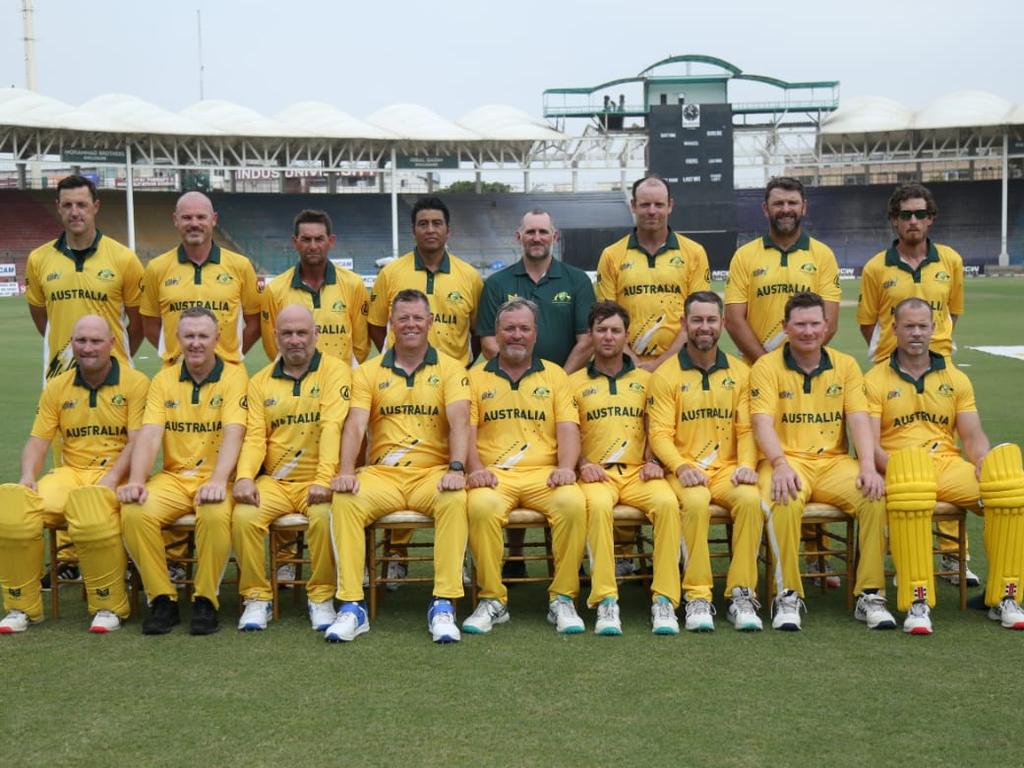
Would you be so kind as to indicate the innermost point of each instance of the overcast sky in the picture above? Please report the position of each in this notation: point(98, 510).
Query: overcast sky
point(458, 55)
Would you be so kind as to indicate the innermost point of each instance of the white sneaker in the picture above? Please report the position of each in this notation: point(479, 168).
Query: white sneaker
point(562, 613)
point(663, 617)
point(321, 615)
point(488, 613)
point(919, 619)
point(350, 623)
point(624, 568)
point(285, 575)
point(742, 611)
point(948, 563)
point(1007, 613)
point(608, 622)
point(872, 611)
point(700, 616)
point(786, 611)
point(255, 616)
point(441, 621)
point(395, 571)
point(14, 622)
point(831, 577)
point(105, 621)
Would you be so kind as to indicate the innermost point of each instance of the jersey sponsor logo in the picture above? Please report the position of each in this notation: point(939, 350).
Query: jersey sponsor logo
point(697, 414)
point(78, 293)
point(224, 278)
point(216, 401)
point(53, 276)
point(119, 400)
point(812, 418)
point(193, 427)
point(345, 392)
point(171, 281)
point(755, 392)
point(834, 390)
point(106, 275)
point(611, 411)
point(808, 267)
point(339, 306)
point(760, 272)
point(676, 261)
point(588, 392)
point(890, 284)
point(170, 404)
point(433, 380)
point(213, 306)
point(14, 591)
point(785, 395)
point(541, 392)
point(923, 416)
point(773, 289)
point(384, 385)
point(946, 389)
point(488, 395)
point(102, 592)
point(515, 413)
point(365, 309)
point(314, 391)
point(243, 402)
point(68, 405)
point(943, 276)
point(625, 265)
point(636, 386)
point(270, 402)
point(562, 297)
point(454, 296)
point(96, 430)
point(648, 288)
point(310, 417)
point(409, 409)
point(510, 296)
point(465, 381)
point(728, 383)
point(892, 394)
point(684, 388)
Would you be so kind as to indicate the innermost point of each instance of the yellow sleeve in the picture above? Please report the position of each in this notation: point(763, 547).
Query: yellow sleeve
point(764, 388)
point(250, 289)
point(47, 421)
point(867, 303)
point(565, 406)
point(854, 399)
point(965, 402)
point(661, 421)
point(700, 272)
point(873, 393)
point(132, 290)
point(156, 410)
point(606, 288)
point(737, 283)
point(33, 282)
point(268, 316)
point(456, 383)
point(359, 307)
point(362, 394)
point(956, 286)
point(746, 448)
point(377, 314)
point(474, 400)
point(137, 401)
point(254, 446)
point(828, 276)
point(149, 305)
point(333, 410)
point(234, 410)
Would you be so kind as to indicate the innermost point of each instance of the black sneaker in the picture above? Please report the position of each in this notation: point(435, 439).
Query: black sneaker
point(204, 617)
point(163, 615)
point(513, 569)
point(65, 572)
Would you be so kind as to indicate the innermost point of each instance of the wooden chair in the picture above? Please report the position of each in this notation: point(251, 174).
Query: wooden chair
point(296, 525)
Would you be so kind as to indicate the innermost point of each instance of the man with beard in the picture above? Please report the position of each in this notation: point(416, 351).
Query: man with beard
point(699, 428)
point(765, 272)
point(914, 266)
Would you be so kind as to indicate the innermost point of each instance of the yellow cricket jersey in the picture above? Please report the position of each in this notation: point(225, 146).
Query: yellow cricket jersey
point(101, 280)
point(193, 414)
point(408, 424)
point(453, 292)
point(516, 420)
point(339, 309)
point(919, 412)
point(698, 417)
point(652, 287)
point(809, 409)
point(293, 431)
point(763, 276)
point(225, 284)
point(887, 280)
point(93, 424)
point(611, 412)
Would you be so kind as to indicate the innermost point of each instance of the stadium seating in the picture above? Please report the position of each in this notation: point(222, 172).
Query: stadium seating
point(26, 221)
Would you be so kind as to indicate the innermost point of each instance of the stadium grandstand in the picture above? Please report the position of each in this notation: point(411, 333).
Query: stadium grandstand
point(717, 132)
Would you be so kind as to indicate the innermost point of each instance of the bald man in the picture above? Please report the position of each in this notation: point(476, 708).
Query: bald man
point(198, 272)
point(96, 410)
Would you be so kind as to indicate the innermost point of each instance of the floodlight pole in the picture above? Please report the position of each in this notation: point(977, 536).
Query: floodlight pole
point(199, 37)
point(394, 203)
point(129, 185)
point(30, 44)
point(1004, 256)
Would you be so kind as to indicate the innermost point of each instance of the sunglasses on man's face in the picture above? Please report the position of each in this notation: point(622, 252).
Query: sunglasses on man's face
point(908, 215)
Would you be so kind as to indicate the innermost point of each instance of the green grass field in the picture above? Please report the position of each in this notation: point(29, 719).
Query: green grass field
point(835, 694)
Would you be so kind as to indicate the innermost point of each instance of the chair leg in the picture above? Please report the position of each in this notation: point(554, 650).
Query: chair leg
point(371, 566)
point(54, 585)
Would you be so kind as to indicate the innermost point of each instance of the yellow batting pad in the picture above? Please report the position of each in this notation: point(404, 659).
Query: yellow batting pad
point(910, 482)
point(1002, 477)
point(910, 487)
point(1002, 496)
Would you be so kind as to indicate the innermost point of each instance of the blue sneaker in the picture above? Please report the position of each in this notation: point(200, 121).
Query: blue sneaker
point(441, 621)
point(350, 623)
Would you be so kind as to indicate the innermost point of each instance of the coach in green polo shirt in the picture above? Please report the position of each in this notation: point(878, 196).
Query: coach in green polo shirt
point(563, 295)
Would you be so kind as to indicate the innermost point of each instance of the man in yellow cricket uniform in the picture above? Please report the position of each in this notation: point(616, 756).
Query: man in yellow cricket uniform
point(197, 412)
point(297, 405)
point(650, 272)
point(914, 266)
point(802, 396)
point(450, 284)
point(523, 449)
point(616, 467)
point(765, 272)
point(415, 402)
point(82, 272)
point(336, 297)
point(919, 404)
point(699, 424)
point(96, 409)
point(199, 273)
